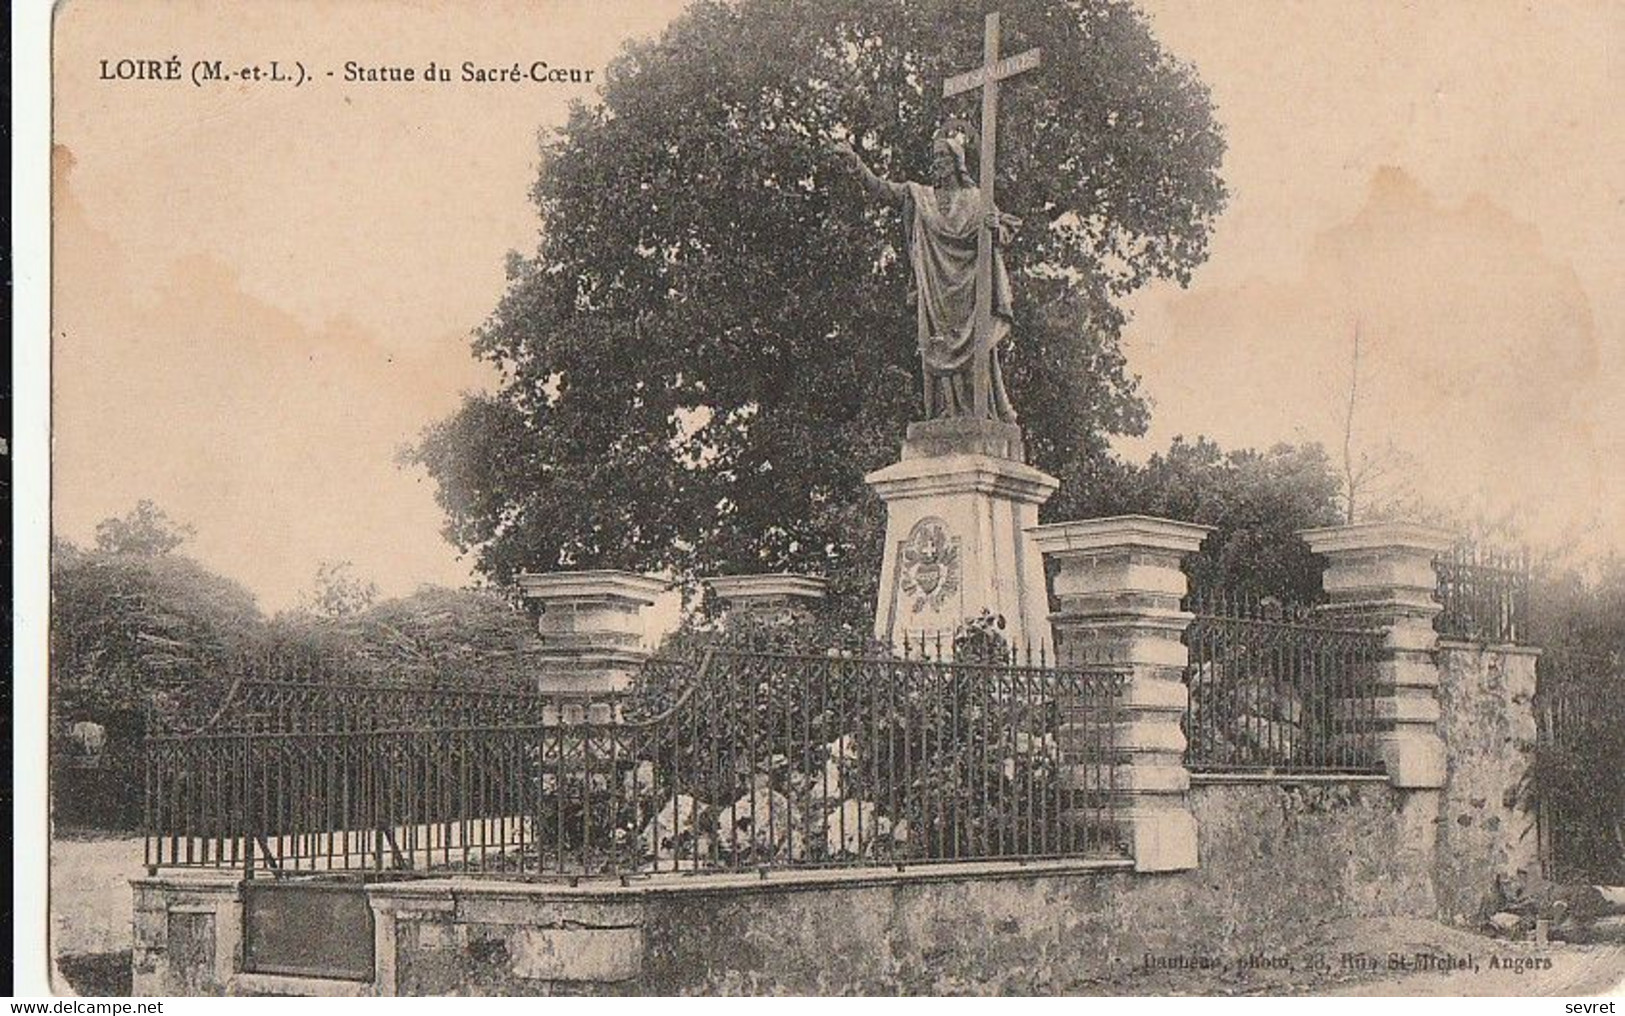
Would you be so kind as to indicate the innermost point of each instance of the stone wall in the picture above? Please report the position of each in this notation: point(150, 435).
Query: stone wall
point(448, 937)
point(1275, 858)
point(1487, 722)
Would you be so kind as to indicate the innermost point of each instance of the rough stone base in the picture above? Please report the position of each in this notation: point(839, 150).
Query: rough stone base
point(1276, 857)
point(1486, 828)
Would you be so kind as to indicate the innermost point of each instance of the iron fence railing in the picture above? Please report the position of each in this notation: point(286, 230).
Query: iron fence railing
point(1577, 781)
point(1484, 593)
point(1276, 689)
point(729, 761)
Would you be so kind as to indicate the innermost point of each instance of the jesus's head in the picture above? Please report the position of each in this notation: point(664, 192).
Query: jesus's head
point(948, 165)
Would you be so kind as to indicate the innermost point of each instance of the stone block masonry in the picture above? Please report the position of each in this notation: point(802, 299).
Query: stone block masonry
point(1277, 856)
point(591, 623)
point(1216, 866)
point(1381, 574)
point(1118, 587)
point(767, 595)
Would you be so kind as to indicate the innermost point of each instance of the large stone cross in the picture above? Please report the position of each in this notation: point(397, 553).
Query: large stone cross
point(987, 78)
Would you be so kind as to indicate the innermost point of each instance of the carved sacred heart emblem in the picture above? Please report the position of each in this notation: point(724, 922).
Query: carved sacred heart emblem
point(927, 575)
point(929, 564)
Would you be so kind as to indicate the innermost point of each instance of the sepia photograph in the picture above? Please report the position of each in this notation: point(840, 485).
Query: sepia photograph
point(833, 498)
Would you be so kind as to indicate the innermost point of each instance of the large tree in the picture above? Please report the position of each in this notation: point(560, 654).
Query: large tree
point(1256, 501)
point(713, 342)
point(143, 531)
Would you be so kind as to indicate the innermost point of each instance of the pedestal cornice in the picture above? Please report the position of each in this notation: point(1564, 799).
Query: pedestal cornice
point(960, 474)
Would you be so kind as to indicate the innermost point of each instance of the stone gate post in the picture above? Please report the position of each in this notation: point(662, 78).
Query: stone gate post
point(592, 628)
point(767, 595)
point(1118, 587)
point(1380, 574)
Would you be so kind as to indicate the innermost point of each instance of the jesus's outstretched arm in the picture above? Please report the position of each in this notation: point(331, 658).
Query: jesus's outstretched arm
point(882, 189)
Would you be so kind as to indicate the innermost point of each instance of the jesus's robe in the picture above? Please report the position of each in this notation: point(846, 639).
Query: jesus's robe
point(942, 235)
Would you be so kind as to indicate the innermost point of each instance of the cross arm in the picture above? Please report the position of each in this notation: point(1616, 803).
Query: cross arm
point(998, 70)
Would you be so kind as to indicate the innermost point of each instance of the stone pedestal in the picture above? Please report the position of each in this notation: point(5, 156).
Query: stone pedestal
point(1118, 587)
point(592, 628)
point(767, 595)
point(958, 507)
point(1381, 574)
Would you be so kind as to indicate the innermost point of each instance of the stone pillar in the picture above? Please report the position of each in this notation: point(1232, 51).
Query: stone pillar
point(1489, 730)
point(1118, 587)
point(1380, 574)
point(592, 628)
point(958, 507)
point(187, 934)
point(149, 942)
point(767, 595)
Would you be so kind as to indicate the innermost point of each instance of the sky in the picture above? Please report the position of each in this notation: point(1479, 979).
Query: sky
point(261, 293)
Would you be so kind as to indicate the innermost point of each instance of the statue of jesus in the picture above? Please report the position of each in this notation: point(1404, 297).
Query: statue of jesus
point(941, 221)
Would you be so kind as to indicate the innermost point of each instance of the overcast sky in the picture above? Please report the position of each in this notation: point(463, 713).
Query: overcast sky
point(262, 293)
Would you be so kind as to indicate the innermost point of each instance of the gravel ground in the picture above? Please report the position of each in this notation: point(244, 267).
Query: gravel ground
point(1379, 956)
point(1498, 968)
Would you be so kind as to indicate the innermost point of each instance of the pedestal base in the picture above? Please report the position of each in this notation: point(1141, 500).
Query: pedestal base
point(956, 540)
point(964, 436)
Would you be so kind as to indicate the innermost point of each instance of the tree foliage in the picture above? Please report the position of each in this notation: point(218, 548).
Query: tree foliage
point(338, 591)
point(131, 628)
point(713, 342)
point(435, 636)
point(1581, 611)
point(128, 626)
point(1578, 771)
point(144, 530)
point(1256, 502)
point(132, 619)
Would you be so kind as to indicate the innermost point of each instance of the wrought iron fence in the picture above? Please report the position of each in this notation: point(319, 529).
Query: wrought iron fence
point(1578, 776)
point(1484, 592)
point(1278, 689)
point(729, 761)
